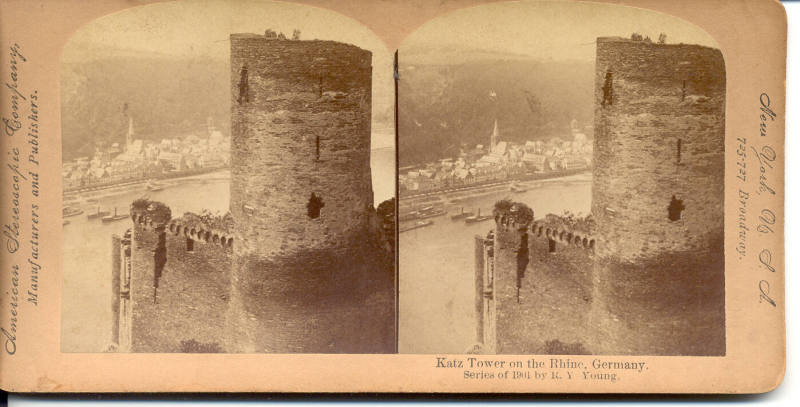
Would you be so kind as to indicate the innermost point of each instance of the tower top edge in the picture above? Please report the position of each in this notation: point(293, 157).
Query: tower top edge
point(260, 38)
point(610, 40)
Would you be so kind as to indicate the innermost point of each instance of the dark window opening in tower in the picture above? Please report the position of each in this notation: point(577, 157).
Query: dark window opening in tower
point(683, 91)
point(551, 246)
point(319, 87)
point(189, 245)
point(608, 90)
point(314, 206)
point(244, 94)
point(318, 148)
point(679, 150)
point(675, 208)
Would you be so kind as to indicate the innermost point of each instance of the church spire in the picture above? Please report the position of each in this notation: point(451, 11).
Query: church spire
point(495, 134)
point(129, 137)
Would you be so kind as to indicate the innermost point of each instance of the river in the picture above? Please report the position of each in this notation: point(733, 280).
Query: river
point(86, 247)
point(437, 294)
point(436, 298)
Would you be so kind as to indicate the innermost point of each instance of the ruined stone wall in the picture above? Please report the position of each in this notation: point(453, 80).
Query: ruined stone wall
point(652, 100)
point(550, 313)
point(187, 311)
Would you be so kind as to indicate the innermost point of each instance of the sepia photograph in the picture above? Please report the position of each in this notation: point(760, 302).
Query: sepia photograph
point(228, 172)
point(394, 196)
point(561, 191)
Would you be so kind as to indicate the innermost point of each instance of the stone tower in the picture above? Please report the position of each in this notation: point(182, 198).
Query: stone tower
point(657, 198)
point(658, 147)
point(301, 193)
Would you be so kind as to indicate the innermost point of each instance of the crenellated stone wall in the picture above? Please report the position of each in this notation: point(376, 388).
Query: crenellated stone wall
point(530, 315)
point(183, 308)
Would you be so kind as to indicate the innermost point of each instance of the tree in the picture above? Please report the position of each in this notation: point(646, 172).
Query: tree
point(662, 38)
point(153, 211)
point(520, 213)
point(296, 34)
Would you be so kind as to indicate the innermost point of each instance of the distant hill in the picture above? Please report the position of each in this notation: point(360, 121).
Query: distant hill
point(443, 104)
point(166, 96)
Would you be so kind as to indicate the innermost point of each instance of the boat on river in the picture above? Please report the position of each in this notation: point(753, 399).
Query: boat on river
point(98, 214)
point(154, 186)
point(477, 218)
point(516, 187)
point(462, 214)
point(115, 217)
point(69, 211)
point(416, 225)
point(423, 213)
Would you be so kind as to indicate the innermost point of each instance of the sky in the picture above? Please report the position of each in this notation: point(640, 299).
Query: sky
point(547, 30)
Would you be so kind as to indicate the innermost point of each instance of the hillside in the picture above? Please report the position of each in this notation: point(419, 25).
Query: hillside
point(445, 104)
point(167, 96)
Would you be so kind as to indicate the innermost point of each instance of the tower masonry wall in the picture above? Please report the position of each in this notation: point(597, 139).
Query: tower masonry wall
point(297, 98)
point(308, 274)
point(659, 133)
point(658, 199)
point(193, 286)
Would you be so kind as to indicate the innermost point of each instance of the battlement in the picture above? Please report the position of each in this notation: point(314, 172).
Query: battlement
point(512, 219)
point(175, 271)
point(520, 266)
point(179, 227)
point(559, 231)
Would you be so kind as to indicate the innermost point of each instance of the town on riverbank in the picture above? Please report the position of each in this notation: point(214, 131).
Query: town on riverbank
point(140, 160)
point(501, 164)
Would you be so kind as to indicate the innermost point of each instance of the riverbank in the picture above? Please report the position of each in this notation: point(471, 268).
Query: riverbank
point(461, 197)
point(137, 181)
point(487, 186)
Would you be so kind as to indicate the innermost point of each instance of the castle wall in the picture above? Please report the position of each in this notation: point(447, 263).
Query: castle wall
point(116, 268)
point(657, 96)
point(186, 313)
point(541, 319)
point(485, 307)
